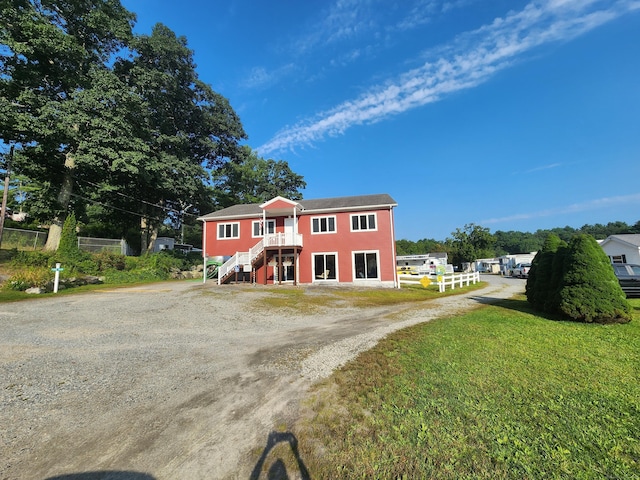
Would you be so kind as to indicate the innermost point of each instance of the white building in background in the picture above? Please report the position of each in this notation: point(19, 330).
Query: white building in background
point(623, 248)
point(420, 264)
point(507, 262)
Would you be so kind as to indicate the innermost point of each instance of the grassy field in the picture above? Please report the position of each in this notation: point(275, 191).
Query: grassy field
point(497, 393)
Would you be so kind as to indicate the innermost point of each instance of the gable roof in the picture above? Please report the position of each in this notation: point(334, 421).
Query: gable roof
point(354, 203)
point(629, 238)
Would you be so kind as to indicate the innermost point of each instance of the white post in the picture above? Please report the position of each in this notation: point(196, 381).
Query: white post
point(56, 280)
point(204, 270)
point(204, 250)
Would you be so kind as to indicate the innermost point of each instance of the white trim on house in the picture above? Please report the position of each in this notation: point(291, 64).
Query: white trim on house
point(317, 277)
point(271, 228)
point(354, 272)
point(328, 222)
point(234, 234)
point(367, 218)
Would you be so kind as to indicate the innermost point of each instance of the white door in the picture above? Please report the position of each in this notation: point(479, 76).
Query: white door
point(289, 231)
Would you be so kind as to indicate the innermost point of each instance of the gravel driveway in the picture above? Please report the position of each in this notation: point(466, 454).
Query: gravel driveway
point(172, 380)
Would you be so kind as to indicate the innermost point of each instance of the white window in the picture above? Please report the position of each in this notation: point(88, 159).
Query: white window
point(325, 266)
point(363, 221)
point(618, 258)
point(228, 230)
point(365, 265)
point(323, 225)
point(257, 228)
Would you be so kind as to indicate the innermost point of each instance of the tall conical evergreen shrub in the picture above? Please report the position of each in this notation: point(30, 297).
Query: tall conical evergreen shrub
point(68, 250)
point(539, 279)
point(558, 265)
point(589, 290)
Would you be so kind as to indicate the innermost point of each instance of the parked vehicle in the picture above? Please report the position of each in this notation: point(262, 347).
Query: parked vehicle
point(521, 270)
point(629, 278)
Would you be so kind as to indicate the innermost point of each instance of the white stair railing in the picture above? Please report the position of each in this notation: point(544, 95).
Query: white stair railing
point(240, 258)
point(247, 258)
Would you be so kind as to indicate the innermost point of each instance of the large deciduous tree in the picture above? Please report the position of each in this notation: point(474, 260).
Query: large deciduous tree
point(119, 139)
point(250, 178)
point(53, 52)
point(470, 243)
point(190, 129)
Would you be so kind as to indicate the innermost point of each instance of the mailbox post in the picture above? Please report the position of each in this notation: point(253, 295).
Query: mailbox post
point(56, 280)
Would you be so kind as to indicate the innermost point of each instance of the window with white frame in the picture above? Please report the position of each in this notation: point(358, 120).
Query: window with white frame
point(618, 258)
point(365, 265)
point(257, 228)
point(228, 230)
point(325, 266)
point(323, 224)
point(363, 221)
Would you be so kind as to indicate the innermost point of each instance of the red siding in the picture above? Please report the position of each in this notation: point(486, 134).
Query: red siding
point(278, 204)
point(343, 243)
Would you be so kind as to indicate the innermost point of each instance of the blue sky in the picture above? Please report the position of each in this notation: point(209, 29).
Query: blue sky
point(513, 115)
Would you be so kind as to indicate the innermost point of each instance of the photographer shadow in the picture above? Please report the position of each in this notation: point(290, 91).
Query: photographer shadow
point(277, 469)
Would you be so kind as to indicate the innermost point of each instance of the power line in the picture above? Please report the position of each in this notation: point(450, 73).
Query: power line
point(115, 208)
point(168, 209)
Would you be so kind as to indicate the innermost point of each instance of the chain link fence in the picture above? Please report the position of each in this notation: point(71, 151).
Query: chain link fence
point(23, 239)
point(114, 245)
point(36, 240)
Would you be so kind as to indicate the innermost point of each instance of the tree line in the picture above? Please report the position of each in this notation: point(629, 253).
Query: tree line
point(474, 241)
point(117, 127)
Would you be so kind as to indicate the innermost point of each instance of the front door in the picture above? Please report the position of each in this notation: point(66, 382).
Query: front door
point(289, 231)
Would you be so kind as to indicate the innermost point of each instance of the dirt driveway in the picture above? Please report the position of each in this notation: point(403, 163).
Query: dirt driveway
point(172, 380)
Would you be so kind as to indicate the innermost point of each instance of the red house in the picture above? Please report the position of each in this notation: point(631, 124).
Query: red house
point(345, 240)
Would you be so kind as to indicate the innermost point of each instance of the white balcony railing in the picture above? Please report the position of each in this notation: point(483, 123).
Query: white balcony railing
point(282, 240)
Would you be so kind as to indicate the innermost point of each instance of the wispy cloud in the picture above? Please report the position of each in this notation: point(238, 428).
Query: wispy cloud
point(260, 77)
point(468, 61)
point(543, 167)
point(573, 208)
point(355, 29)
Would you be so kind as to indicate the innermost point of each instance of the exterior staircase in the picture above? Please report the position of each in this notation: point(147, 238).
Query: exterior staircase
point(256, 254)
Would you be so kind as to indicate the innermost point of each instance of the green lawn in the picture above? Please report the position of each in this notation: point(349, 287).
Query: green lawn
point(497, 393)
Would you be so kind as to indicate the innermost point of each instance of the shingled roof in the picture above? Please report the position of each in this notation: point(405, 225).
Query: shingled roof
point(358, 202)
point(630, 238)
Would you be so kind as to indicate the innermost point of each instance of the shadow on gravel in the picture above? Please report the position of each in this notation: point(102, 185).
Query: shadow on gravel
point(277, 467)
point(104, 475)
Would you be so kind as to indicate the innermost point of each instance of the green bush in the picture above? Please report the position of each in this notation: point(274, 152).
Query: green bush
point(162, 262)
point(110, 261)
point(29, 277)
point(68, 251)
point(33, 269)
point(539, 279)
point(133, 276)
point(589, 290)
point(31, 259)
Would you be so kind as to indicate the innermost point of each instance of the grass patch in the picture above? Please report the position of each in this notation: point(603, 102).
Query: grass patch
point(303, 301)
point(380, 297)
point(496, 393)
point(306, 300)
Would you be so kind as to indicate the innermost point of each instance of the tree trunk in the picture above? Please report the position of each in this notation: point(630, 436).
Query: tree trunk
point(149, 234)
point(144, 235)
point(64, 197)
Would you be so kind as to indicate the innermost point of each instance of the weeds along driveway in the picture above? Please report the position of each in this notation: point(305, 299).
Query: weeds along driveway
point(173, 380)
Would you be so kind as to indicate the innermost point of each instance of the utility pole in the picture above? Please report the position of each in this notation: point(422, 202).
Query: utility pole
point(5, 194)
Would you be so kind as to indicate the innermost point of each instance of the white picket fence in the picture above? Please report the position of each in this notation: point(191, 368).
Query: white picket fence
point(443, 281)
